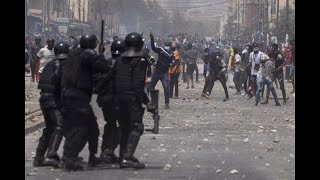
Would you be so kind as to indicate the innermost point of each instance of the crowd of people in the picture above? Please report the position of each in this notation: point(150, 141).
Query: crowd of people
point(69, 73)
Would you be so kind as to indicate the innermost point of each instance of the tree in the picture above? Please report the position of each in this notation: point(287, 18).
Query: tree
point(281, 29)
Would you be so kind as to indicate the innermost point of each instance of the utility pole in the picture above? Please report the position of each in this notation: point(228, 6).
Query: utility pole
point(69, 15)
point(243, 23)
point(48, 11)
point(79, 10)
point(287, 16)
point(26, 15)
point(267, 15)
point(73, 10)
point(83, 12)
point(238, 18)
point(278, 13)
point(63, 9)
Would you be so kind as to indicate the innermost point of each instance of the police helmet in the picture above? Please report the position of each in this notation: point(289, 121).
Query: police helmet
point(135, 41)
point(88, 41)
point(61, 48)
point(118, 46)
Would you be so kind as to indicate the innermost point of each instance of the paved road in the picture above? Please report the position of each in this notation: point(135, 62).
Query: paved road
point(202, 139)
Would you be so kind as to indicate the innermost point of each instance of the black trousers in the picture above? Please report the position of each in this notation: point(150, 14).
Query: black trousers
point(190, 69)
point(111, 134)
point(33, 69)
point(130, 123)
point(53, 127)
point(237, 80)
point(80, 125)
point(208, 86)
point(197, 72)
point(280, 77)
point(174, 84)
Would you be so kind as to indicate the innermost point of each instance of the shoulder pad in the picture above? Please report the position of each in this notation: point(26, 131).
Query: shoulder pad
point(90, 51)
point(131, 53)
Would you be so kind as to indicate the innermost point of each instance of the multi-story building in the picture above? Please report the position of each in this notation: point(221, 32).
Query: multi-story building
point(257, 16)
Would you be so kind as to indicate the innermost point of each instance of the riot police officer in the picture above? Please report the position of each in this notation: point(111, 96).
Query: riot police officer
point(130, 91)
point(50, 104)
point(217, 71)
point(109, 104)
point(77, 88)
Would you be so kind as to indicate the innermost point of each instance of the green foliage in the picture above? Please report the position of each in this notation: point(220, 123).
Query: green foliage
point(284, 26)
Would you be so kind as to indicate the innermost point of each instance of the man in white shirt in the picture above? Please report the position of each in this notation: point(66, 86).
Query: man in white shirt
point(254, 63)
point(237, 72)
point(44, 56)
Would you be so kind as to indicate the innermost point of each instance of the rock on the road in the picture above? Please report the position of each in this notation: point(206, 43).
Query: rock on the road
point(246, 140)
point(234, 171)
point(167, 167)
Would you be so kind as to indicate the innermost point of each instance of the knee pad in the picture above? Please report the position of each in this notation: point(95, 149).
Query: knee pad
point(138, 128)
point(58, 128)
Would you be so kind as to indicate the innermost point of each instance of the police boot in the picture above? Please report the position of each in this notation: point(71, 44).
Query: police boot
point(51, 161)
point(63, 159)
point(38, 161)
point(128, 160)
point(93, 160)
point(108, 157)
point(131, 162)
point(52, 158)
point(72, 164)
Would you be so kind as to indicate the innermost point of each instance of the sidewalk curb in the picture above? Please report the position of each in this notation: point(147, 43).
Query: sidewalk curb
point(35, 126)
point(33, 114)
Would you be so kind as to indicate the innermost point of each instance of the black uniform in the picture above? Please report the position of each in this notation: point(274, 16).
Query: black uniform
point(50, 104)
point(80, 121)
point(129, 89)
point(217, 69)
point(109, 104)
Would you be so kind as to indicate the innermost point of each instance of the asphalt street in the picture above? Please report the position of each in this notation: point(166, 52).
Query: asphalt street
point(200, 139)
